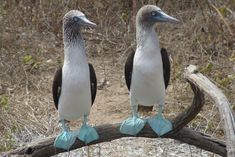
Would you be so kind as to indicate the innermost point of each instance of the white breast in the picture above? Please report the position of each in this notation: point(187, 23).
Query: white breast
point(75, 98)
point(147, 85)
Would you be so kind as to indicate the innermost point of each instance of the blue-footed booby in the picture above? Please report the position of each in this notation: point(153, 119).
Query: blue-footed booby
point(74, 85)
point(147, 73)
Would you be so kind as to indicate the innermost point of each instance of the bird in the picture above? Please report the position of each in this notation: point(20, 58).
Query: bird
point(74, 86)
point(166, 73)
point(147, 73)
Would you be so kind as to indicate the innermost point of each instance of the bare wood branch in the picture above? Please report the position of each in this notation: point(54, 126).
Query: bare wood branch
point(111, 132)
point(220, 100)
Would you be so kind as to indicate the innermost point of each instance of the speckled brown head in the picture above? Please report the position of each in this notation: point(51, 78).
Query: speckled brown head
point(148, 15)
point(73, 21)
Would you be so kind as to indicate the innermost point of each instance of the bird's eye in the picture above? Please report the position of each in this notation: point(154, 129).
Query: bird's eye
point(75, 19)
point(153, 13)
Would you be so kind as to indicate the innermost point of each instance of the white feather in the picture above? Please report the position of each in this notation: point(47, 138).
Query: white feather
point(75, 98)
point(147, 84)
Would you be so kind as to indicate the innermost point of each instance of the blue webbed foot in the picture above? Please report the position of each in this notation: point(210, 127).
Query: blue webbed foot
point(160, 125)
point(64, 140)
point(132, 125)
point(87, 134)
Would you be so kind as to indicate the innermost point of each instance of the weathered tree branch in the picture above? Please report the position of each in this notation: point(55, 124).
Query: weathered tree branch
point(111, 132)
point(220, 100)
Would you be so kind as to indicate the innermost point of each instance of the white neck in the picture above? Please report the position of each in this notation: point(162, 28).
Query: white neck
point(146, 36)
point(74, 53)
point(147, 40)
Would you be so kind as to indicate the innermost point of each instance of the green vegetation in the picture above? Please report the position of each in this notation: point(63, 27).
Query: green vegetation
point(4, 101)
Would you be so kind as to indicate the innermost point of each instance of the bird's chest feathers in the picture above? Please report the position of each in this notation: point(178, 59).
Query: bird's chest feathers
point(75, 99)
point(147, 84)
point(76, 74)
point(147, 60)
point(76, 77)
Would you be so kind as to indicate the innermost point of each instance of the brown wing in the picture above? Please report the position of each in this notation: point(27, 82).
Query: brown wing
point(93, 83)
point(56, 86)
point(166, 66)
point(129, 68)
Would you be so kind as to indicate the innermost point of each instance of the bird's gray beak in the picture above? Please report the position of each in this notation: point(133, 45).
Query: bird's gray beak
point(163, 17)
point(87, 22)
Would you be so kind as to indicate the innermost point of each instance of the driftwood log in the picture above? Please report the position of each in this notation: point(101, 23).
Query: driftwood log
point(109, 132)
